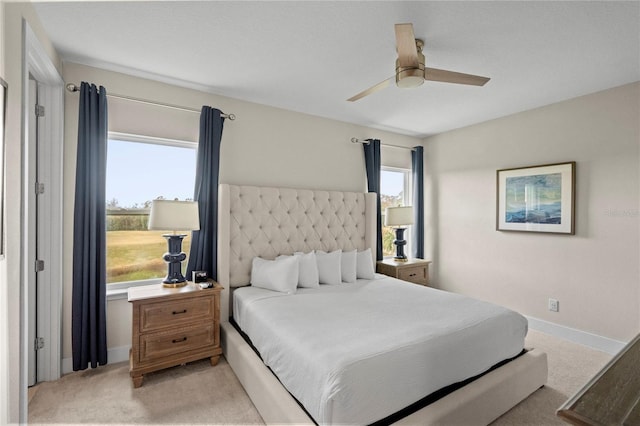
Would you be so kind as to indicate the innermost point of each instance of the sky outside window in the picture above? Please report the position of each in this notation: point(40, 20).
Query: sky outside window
point(140, 172)
point(391, 182)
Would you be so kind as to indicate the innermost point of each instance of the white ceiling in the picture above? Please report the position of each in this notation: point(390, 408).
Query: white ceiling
point(312, 56)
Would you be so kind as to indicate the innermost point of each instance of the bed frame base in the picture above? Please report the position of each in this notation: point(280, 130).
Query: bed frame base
point(274, 403)
point(479, 402)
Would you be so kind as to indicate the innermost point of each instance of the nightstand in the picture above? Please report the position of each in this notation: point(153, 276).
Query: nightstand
point(413, 270)
point(173, 326)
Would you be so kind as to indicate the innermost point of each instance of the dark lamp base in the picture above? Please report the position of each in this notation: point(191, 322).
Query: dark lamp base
point(174, 258)
point(400, 242)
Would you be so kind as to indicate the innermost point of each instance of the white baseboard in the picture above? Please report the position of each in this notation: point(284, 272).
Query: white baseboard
point(591, 340)
point(114, 355)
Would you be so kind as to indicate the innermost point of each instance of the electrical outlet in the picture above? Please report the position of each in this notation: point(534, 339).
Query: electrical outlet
point(554, 305)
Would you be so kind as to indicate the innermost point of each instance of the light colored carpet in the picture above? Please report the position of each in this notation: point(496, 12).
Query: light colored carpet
point(192, 393)
point(201, 394)
point(570, 367)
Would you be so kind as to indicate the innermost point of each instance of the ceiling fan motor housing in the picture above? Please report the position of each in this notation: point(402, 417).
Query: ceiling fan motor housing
point(407, 77)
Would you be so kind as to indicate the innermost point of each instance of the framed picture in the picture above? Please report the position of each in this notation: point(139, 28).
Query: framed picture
point(537, 199)
point(3, 119)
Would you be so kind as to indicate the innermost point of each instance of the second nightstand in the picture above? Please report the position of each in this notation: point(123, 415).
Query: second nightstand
point(413, 270)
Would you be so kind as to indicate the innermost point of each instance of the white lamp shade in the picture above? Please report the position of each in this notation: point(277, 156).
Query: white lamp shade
point(173, 215)
point(398, 216)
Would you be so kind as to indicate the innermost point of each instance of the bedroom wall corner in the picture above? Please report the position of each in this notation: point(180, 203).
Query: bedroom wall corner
point(594, 274)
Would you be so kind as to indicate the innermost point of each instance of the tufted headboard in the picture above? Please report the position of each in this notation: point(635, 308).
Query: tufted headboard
point(267, 222)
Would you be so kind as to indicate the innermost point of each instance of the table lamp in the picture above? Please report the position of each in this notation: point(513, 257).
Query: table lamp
point(174, 215)
point(399, 217)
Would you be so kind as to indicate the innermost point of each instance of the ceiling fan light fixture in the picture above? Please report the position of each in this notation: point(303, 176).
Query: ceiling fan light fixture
point(409, 78)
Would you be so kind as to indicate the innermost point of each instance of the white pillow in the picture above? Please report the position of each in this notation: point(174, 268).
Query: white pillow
point(307, 269)
point(308, 276)
point(348, 266)
point(278, 275)
point(364, 265)
point(329, 267)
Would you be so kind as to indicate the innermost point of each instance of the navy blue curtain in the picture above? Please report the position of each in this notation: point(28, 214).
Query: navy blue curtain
point(88, 305)
point(204, 242)
point(372, 164)
point(417, 171)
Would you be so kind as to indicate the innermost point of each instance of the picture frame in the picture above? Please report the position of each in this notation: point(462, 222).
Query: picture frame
point(537, 198)
point(3, 120)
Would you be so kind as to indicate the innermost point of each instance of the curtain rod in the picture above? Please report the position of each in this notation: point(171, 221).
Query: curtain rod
point(365, 142)
point(74, 88)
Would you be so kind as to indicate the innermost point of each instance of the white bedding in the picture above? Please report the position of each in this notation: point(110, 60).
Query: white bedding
point(357, 353)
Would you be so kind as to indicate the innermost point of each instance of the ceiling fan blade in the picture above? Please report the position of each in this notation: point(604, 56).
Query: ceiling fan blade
point(434, 74)
point(372, 89)
point(406, 45)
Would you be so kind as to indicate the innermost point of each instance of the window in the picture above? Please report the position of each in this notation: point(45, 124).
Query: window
point(139, 170)
point(394, 191)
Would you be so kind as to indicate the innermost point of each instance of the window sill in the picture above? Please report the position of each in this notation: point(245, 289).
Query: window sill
point(120, 293)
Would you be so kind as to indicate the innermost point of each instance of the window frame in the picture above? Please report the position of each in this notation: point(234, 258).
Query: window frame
point(406, 201)
point(118, 290)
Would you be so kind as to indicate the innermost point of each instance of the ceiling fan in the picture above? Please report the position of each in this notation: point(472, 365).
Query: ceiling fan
point(410, 69)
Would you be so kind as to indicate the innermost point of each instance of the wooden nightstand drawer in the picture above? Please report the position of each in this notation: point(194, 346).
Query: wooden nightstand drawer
point(160, 315)
point(165, 343)
point(414, 270)
point(415, 274)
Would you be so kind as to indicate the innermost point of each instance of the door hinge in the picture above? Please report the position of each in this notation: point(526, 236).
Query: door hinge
point(39, 111)
point(39, 266)
point(39, 188)
point(38, 343)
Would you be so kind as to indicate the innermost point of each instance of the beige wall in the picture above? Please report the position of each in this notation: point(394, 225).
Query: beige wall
point(14, 14)
point(265, 146)
point(594, 274)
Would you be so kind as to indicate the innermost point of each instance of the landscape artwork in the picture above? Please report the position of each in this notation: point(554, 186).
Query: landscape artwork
point(536, 199)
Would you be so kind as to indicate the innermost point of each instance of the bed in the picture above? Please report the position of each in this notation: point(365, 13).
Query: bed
point(267, 222)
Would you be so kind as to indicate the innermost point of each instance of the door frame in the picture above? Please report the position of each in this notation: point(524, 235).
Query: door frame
point(31, 281)
point(36, 62)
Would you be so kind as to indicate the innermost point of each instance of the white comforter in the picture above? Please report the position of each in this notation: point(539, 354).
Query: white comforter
point(357, 353)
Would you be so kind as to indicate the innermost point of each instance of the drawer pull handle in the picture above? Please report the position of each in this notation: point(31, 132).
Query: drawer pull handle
point(179, 340)
point(412, 275)
point(184, 311)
